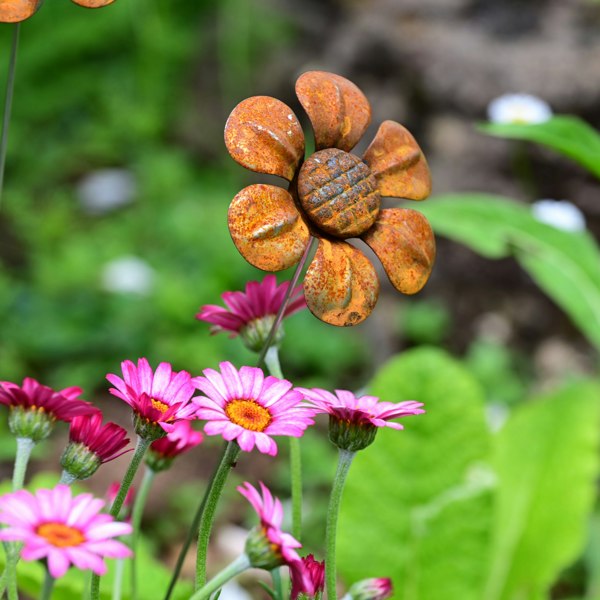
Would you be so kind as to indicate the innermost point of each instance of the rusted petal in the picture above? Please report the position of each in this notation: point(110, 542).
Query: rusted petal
point(339, 112)
point(93, 3)
point(403, 240)
point(341, 286)
point(398, 163)
point(13, 11)
point(266, 227)
point(264, 135)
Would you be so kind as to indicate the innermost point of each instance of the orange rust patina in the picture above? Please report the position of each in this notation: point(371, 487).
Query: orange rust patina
point(333, 195)
point(14, 11)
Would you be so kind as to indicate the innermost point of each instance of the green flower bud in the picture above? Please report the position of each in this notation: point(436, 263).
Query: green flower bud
point(33, 423)
point(351, 434)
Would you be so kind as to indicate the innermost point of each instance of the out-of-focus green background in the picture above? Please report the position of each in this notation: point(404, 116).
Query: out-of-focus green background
point(127, 104)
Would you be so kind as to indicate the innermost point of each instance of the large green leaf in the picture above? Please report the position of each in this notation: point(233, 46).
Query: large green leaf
point(417, 504)
point(565, 265)
point(566, 134)
point(546, 460)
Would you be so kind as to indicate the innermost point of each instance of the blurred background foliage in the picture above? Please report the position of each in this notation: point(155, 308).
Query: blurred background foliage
point(503, 484)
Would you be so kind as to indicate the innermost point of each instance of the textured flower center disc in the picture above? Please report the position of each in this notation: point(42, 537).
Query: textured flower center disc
point(339, 193)
point(60, 535)
point(158, 405)
point(248, 414)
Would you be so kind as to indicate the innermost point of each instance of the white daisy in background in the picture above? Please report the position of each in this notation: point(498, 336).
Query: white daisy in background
point(128, 275)
point(561, 214)
point(518, 109)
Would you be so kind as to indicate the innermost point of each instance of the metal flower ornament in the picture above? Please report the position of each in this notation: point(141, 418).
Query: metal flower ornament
point(15, 11)
point(333, 195)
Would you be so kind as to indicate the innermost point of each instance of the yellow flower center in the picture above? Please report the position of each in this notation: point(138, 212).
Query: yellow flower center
point(248, 414)
point(60, 535)
point(158, 405)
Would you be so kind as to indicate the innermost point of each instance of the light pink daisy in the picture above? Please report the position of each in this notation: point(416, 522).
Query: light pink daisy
point(62, 529)
point(282, 545)
point(248, 407)
point(32, 395)
point(261, 299)
point(162, 397)
point(345, 406)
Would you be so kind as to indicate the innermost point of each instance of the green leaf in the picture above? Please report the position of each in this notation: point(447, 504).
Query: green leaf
point(566, 134)
point(546, 459)
point(417, 504)
point(565, 265)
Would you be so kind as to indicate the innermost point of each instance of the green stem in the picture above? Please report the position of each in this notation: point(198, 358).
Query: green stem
point(136, 521)
point(213, 493)
point(24, 448)
point(117, 592)
point(274, 367)
point(239, 565)
point(48, 586)
point(10, 88)
point(277, 583)
point(344, 462)
point(140, 449)
point(67, 478)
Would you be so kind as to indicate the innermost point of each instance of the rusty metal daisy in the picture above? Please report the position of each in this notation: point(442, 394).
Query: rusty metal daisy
point(333, 195)
point(15, 11)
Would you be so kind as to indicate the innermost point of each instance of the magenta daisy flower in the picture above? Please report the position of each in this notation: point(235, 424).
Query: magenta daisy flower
point(34, 408)
point(353, 421)
point(92, 444)
point(62, 529)
point(252, 313)
point(158, 399)
point(379, 588)
point(315, 572)
point(248, 407)
point(179, 441)
point(268, 546)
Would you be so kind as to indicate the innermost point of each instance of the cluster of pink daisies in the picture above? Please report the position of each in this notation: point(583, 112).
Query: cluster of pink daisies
point(241, 405)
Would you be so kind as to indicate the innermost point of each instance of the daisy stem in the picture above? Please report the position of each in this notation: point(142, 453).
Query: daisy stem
point(274, 367)
point(24, 448)
point(10, 88)
point(117, 592)
point(140, 449)
point(239, 565)
point(344, 462)
point(67, 478)
point(213, 493)
point(284, 303)
point(136, 521)
point(48, 586)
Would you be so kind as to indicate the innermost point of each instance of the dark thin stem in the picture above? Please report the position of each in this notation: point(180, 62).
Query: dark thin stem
point(48, 586)
point(286, 299)
point(10, 88)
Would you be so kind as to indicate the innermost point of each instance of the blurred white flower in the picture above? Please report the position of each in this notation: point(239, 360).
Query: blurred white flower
point(128, 275)
point(519, 108)
point(105, 190)
point(561, 214)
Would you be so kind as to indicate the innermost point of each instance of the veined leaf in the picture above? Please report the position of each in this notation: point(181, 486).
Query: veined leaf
point(566, 134)
point(546, 460)
point(565, 265)
point(417, 505)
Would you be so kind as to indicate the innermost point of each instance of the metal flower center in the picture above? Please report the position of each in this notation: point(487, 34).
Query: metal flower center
point(158, 405)
point(339, 193)
point(248, 414)
point(60, 535)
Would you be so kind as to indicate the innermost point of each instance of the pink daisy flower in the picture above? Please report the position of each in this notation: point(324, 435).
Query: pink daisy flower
point(346, 406)
point(261, 299)
point(353, 421)
point(379, 588)
point(157, 398)
point(248, 407)
point(32, 395)
point(281, 546)
point(62, 529)
point(92, 444)
point(315, 572)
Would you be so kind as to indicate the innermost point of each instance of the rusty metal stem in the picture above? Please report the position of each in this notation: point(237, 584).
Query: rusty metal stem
point(286, 299)
point(10, 88)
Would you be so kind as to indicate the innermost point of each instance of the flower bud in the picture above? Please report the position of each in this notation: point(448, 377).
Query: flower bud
point(33, 423)
point(79, 461)
point(146, 429)
point(370, 589)
point(261, 552)
point(351, 434)
point(255, 333)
